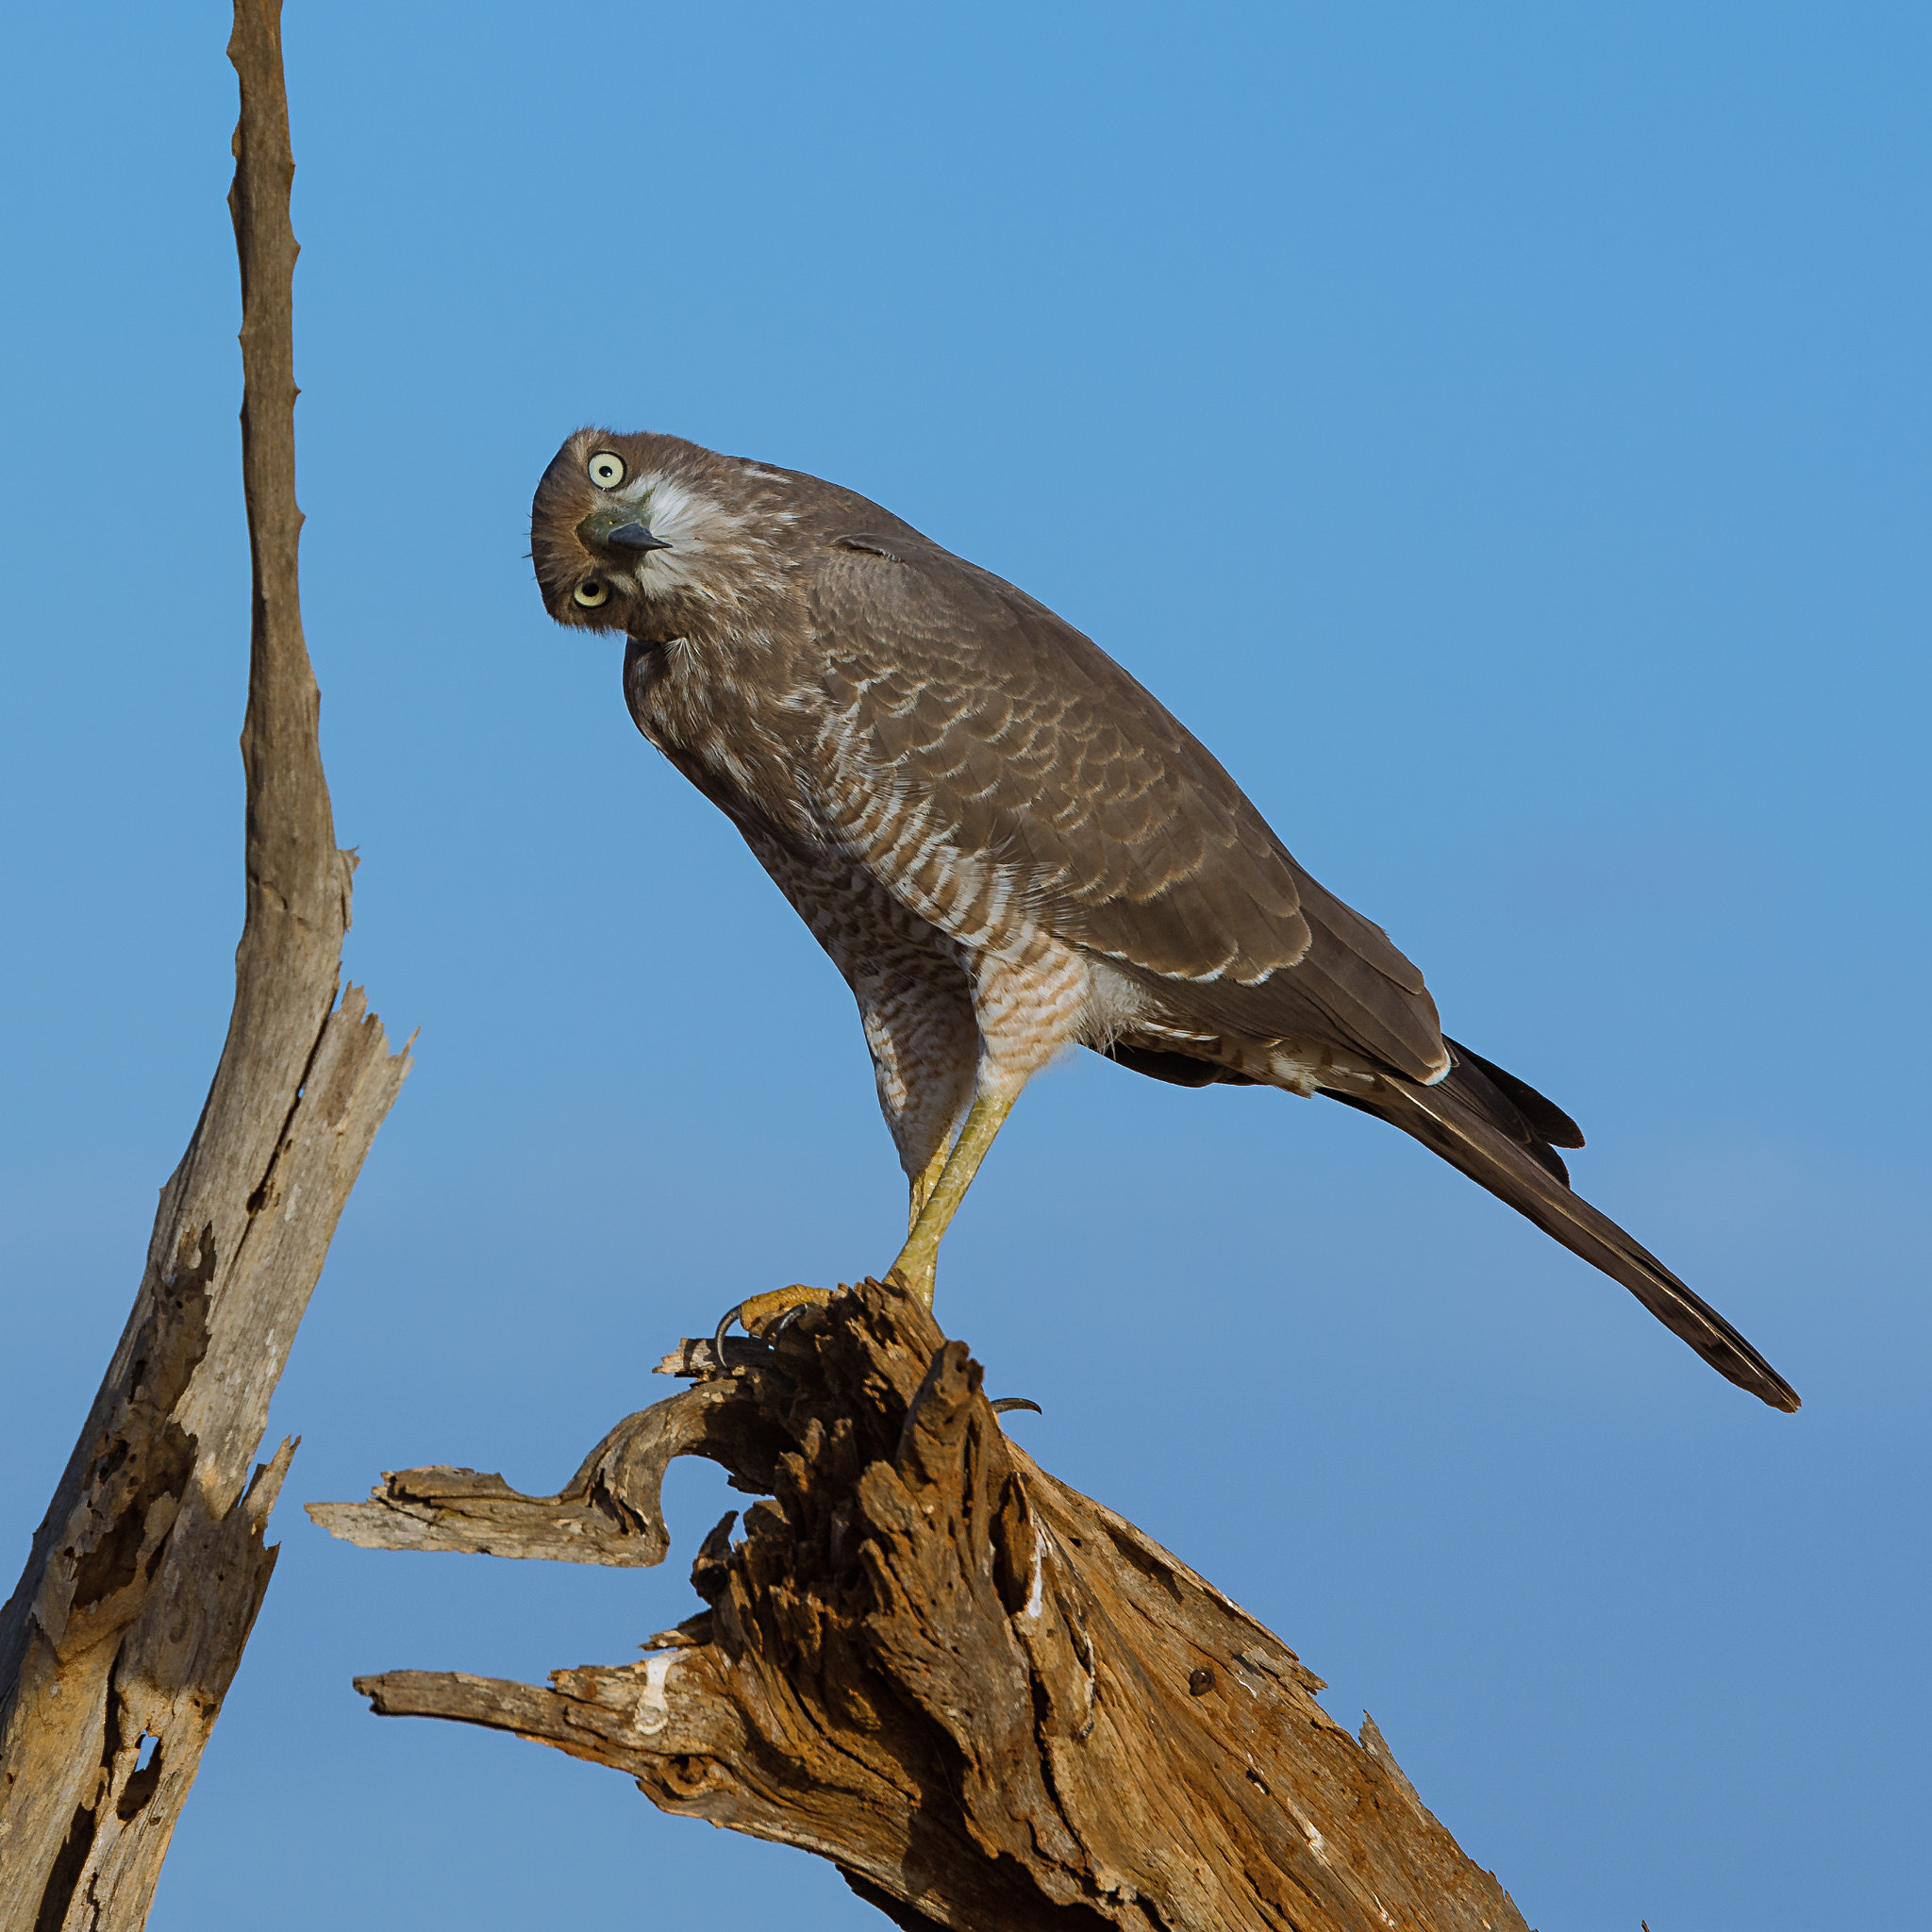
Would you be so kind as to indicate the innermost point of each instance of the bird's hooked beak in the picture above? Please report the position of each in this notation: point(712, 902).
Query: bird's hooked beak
point(617, 533)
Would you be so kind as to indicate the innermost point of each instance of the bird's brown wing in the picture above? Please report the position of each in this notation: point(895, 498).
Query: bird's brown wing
point(995, 762)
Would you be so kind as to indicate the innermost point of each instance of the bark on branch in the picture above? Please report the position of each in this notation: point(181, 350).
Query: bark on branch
point(120, 1640)
point(990, 1700)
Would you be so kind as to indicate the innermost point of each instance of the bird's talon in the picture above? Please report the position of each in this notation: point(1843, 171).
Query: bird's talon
point(1003, 1405)
point(762, 1316)
point(761, 1313)
point(731, 1314)
point(775, 1329)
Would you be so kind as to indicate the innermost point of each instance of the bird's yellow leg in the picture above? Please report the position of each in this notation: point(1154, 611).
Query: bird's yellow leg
point(922, 1185)
point(917, 1259)
point(763, 1309)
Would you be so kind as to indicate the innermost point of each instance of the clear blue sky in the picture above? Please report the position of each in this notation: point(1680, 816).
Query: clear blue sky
point(1500, 431)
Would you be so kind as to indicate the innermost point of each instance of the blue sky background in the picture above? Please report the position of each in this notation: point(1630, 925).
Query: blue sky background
point(1500, 431)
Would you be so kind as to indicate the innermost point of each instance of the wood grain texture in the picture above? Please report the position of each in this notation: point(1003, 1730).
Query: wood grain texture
point(145, 1577)
point(990, 1700)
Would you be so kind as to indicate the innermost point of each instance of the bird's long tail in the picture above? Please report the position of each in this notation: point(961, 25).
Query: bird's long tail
point(1487, 1124)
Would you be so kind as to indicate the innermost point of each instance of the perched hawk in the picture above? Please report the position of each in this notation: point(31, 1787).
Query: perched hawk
point(1008, 847)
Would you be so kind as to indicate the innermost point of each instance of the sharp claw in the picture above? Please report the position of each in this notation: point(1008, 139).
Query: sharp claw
point(758, 1308)
point(1005, 1404)
point(783, 1322)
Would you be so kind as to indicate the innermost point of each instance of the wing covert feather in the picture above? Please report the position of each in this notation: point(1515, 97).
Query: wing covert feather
point(1012, 738)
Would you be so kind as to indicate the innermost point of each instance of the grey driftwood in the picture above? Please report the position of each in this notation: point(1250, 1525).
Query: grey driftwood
point(120, 1640)
point(990, 1701)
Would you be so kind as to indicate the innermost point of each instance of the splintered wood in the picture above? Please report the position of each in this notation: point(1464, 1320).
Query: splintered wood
point(989, 1700)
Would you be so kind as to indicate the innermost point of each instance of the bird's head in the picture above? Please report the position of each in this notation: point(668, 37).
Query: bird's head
point(641, 533)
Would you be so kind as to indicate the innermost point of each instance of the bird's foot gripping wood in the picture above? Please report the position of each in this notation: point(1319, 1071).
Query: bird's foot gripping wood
point(992, 1702)
point(760, 1316)
point(763, 1312)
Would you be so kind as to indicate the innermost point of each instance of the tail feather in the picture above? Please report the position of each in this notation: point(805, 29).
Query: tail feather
point(1459, 1120)
point(1537, 1111)
point(1514, 1109)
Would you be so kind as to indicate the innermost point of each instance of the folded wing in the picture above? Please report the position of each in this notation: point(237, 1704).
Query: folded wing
point(993, 730)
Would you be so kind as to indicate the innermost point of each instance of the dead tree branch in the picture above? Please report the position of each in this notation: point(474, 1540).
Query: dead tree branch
point(145, 1575)
point(990, 1701)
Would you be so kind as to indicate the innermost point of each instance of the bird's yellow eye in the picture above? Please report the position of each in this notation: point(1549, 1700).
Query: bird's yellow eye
point(607, 471)
point(590, 593)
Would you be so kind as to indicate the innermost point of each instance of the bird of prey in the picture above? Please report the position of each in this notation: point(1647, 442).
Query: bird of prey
point(1008, 847)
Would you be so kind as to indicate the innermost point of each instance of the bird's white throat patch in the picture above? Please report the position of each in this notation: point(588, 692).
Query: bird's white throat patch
point(710, 545)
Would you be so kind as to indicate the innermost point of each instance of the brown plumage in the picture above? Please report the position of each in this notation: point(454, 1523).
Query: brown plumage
point(1008, 846)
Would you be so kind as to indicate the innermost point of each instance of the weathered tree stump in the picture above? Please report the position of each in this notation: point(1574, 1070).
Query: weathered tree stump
point(127, 1627)
point(989, 1700)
